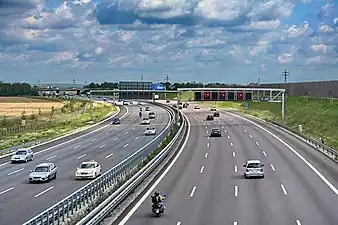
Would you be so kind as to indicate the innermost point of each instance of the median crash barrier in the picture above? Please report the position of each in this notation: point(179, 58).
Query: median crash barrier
point(67, 209)
point(103, 210)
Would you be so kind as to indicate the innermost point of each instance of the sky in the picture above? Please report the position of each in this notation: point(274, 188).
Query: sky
point(230, 41)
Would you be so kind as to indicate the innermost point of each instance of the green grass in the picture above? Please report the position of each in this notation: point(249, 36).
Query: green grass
point(319, 117)
point(60, 127)
point(184, 96)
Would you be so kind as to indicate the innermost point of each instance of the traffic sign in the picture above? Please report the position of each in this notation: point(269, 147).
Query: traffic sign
point(158, 87)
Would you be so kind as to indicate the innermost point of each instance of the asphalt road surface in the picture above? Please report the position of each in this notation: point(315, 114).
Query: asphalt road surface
point(206, 184)
point(20, 201)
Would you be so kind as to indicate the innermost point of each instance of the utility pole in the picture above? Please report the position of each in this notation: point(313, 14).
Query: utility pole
point(285, 75)
point(74, 81)
point(141, 77)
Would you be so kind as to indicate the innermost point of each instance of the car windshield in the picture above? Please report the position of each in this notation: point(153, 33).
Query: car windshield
point(116, 119)
point(215, 129)
point(254, 165)
point(21, 153)
point(41, 169)
point(87, 165)
point(145, 118)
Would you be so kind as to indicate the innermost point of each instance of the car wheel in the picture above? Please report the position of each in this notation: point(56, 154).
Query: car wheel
point(48, 178)
point(55, 175)
point(32, 158)
point(245, 176)
point(26, 160)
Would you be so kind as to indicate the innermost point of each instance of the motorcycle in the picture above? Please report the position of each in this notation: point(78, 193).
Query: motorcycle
point(159, 208)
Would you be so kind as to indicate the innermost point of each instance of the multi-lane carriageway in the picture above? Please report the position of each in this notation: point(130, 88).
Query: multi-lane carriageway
point(20, 201)
point(205, 184)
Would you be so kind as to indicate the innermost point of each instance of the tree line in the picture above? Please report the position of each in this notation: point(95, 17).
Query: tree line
point(18, 89)
point(170, 86)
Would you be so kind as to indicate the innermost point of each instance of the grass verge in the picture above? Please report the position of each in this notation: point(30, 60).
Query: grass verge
point(54, 129)
point(318, 116)
point(104, 195)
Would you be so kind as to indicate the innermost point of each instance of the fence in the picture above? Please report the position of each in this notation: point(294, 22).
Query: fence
point(88, 194)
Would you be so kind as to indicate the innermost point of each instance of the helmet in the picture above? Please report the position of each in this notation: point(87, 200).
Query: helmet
point(156, 193)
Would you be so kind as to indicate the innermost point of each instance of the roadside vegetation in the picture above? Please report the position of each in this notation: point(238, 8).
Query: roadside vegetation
point(25, 120)
point(318, 116)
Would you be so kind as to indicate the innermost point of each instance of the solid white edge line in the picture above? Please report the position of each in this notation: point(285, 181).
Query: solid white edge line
point(7, 190)
point(42, 192)
point(145, 196)
point(314, 169)
point(236, 190)
point(192, 192)
point(15, 171)
point(284, 190)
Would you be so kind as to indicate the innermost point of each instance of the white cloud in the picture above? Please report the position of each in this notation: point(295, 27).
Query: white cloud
point(285, 58)
point(193, 39)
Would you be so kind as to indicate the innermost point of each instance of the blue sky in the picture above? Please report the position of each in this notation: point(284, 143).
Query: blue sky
point(233, 41)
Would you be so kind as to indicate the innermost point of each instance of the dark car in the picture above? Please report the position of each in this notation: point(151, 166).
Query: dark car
point(168, 101)
point(179, 107)
point(210, 117)
point(216, 114)
point(116, 121)
point(215, 132)
point(185, 105)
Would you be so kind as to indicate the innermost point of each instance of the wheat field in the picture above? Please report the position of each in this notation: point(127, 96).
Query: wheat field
point(14, 106)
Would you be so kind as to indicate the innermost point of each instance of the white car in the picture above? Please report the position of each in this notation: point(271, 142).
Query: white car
point(150, 131)
point(43, 172)
point(254, 168)
point(91, 169)
point(22, 155)
point(151, 115)
point(145, 121)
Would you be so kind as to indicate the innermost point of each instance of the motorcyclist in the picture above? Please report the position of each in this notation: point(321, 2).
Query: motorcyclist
point(157, 198)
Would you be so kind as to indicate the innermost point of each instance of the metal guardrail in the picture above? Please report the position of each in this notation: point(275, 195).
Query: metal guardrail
point(96, 216)
point(326, 150)
point(67, 207)
point(25, 145)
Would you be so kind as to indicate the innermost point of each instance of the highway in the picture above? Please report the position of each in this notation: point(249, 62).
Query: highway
point(20, 201)
point(206, 184)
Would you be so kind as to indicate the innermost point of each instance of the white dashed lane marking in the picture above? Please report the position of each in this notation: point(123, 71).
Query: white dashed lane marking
point(16, 171)
point(102, 146)
point(234, 154)
point(42, 192)
point(264, 153)
point(206, 155)
point(202, 168)
point(7, 190)
point(77, 147)
point(124, 146)
point(52, 157)
point(273, 168)
point(283, 189)
point(193, 192)
point(109, 155)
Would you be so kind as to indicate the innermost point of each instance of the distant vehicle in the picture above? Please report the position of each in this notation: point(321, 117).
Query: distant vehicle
point(145, 121)
point(140, 109)
point(180, 107)
point(174, 105)
point(116, 121)
point(151, 115)
point(22, 155)
point(150, 131)
point(119, 102)
point(197, 107)
point(185, 105)
point(43, 172)
point(180, 103)
point(215, 132)
point(213, 109)
point(147, 108)
point(87, 170)
point(210, 117)
point(216, 114)
point(254, 168)
point(125, 103)
point(168, 101)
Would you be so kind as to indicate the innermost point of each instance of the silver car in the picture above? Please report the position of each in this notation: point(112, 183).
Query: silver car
point(43, 172)
point(254, 168)
point(151, 115)
point(22, 155)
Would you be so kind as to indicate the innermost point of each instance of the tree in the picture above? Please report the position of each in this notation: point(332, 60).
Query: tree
point(23, 115)
point(52, 112)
